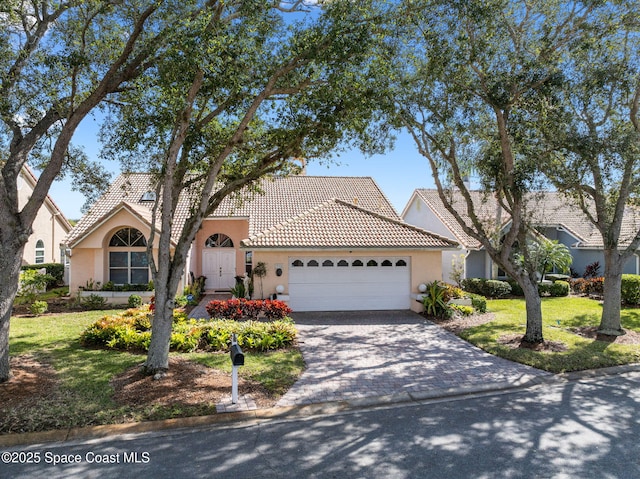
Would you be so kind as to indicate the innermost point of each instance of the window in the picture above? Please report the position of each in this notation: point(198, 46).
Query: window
point(357, 263)
point(327, 263)
point(39, 252)
point(218, 240)
point(313, 263)
point(372, 262)
point(148, 196)
point(386, 262)
point(343, 263)
point(401, 262)
point(128, 237)
point(128, 257)
point(297, 264)
point(248, 262)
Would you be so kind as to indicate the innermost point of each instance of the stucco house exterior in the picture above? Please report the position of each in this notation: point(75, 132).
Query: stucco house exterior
point(329, 243)
point(50, 227)
point(551, 213)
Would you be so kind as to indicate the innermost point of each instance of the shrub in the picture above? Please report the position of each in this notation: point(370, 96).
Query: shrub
point(556, 290)
point(559, 289)
point(588, 286)
point(134, 301)
point(130, 330)
point(462, 309)
point(94, 301)
point(478, 302)
point(38, 307)
point(592, 270)
point(631, 289)
point(31, 283)
point(451, 292)
point(434, 301)
point(55, 271)
point(490, 288)
point(237, 309)
point(516, 289)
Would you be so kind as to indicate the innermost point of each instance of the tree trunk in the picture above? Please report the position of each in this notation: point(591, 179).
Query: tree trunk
point(157, 362)
point(610, 321)
point(533, 332)
point(10, 261)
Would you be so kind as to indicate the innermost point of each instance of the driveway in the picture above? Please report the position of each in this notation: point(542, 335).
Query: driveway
point(355, 355)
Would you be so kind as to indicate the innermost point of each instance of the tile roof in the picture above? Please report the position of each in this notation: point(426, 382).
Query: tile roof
point(546, 208)
point(279, 199)
point(339, 224)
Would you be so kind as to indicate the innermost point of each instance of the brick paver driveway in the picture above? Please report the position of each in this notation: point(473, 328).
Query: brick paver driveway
point(352, 355)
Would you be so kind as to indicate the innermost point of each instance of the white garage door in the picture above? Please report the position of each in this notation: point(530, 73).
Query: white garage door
point(348, 283)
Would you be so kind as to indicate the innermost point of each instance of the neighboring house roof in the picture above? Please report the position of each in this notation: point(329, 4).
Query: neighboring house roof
point(548, 209)
point(280, 199)
point(338, 224)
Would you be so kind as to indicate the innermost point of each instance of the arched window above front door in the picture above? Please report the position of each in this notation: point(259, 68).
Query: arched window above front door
point(218, 240)
point(128, 237)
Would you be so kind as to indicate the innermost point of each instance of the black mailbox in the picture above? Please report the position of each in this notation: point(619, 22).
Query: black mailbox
point(237, 356)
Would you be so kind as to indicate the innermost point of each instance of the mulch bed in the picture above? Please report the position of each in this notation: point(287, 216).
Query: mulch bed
point(30, 381)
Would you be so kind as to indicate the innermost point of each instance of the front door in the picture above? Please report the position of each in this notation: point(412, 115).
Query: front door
point(219, 267)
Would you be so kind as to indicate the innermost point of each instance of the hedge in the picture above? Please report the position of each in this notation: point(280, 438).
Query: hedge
point(54, 269)
point(631, 289)
point(491, 288)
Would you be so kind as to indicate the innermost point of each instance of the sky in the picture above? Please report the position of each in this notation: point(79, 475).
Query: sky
point(398, 172)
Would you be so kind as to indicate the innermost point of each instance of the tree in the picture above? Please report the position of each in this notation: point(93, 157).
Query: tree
point(58, 62)
point(547, 255)
point(239, 96)
point(472, 74)
point(592, 138)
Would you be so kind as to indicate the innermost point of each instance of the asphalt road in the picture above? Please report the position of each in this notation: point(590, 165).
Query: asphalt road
point(579, 429)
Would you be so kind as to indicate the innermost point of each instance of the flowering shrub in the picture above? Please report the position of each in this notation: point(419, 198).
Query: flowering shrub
point(130, 330)
point(244, 308)
point(588, 286)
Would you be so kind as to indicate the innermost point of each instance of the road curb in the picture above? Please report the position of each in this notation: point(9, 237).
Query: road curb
point(297, 411)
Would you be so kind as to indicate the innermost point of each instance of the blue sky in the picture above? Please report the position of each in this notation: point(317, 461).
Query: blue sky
point(397, 172)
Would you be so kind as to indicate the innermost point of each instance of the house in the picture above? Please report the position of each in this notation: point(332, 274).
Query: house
point(551, 213)
point(329, 243)
point(49, 228)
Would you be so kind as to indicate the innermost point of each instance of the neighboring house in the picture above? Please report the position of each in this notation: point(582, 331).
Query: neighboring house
point(45, 245)
point(329, 243)
point(551, 213)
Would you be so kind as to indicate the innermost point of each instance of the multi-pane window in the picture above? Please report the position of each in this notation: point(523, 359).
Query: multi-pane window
point(128, 257)
point(39, 252)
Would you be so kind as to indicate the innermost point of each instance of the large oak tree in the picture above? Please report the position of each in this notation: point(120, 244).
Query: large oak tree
point(242, 93)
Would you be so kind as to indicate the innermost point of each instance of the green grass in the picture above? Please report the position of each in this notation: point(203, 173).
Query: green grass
point(559, 316)
point(84, 396)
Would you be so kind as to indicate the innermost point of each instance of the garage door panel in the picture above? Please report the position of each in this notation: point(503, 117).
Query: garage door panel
point(334, 288)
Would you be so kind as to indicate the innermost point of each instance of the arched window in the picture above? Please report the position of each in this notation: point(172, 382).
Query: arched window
point(327, 263)
point(218, 240)
point(401, 262)
point(128, 257)
point(313, 263)
point(357, 263)
point(343, 263)
point(372, 262)
point(39, 252)
point(386, 262)
point(297, 264)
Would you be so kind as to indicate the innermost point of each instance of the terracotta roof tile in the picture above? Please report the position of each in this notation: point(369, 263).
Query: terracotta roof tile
point(339, 224)
point(546, 208)
point(279, 199)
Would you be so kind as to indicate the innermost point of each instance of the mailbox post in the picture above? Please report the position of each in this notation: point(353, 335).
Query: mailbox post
point(237, 359)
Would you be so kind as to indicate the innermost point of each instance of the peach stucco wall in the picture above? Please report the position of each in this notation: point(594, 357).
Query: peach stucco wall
point(426, 266)
point(89, 259)
point(47, 226)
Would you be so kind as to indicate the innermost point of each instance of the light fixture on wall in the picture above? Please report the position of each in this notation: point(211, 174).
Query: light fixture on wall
point(422, 287)
point(279, 289)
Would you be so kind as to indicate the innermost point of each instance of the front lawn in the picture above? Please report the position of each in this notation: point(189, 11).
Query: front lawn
point(81, 392)
point(562, 318)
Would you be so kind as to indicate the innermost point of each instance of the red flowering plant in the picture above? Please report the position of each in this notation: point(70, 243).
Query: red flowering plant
point(252, 308)
point(274, 309)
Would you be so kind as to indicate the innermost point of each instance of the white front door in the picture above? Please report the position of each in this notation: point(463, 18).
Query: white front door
point(219, 267)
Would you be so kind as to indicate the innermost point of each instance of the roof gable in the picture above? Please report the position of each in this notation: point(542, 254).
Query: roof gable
point(339, 224)
point(544, 208)
point(278, 199)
